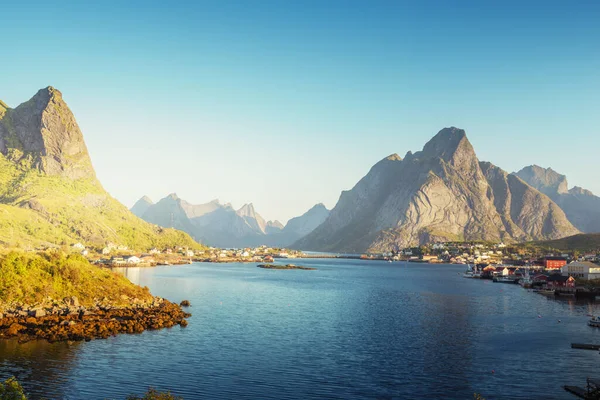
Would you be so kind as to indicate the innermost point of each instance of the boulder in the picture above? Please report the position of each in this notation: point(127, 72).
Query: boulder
point(37, 313)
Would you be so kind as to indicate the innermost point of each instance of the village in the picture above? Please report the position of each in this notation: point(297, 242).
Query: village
point(553, 272)
point(118, 255)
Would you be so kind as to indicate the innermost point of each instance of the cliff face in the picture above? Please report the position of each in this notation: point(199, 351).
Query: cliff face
point(44, 131)
point(581, 206)
point(49, 193)
point(439, 193)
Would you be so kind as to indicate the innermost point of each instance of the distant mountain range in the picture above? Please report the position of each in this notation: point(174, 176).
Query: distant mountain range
point(581, 206)
point(220, 225)
point(444, 193)
point(49, 194)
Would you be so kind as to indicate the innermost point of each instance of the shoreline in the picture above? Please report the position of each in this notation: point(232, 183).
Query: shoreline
point(78, 323)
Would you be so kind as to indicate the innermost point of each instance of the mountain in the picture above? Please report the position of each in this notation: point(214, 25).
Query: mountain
point(253, 219)
point(49, 193)
point(220, 225)
point(440, 193)
point(307, 222)
point(581, 206)
point(273, 227)
point(141, 206)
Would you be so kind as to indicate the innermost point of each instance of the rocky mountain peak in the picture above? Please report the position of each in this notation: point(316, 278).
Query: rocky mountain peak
point(141, 206)
point(247, 210)
point(451, 145)
point(173, 196)
point(577, 190)
point(546, 180)
point(43, 130)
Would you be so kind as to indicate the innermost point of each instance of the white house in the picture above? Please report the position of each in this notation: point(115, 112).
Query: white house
point(132, 260)
point(584, 269)
point(189, 253)
point(78, 246)
point(105, 251)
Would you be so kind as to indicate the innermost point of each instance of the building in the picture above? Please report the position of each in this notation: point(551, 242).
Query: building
point(132, 260)
point(582, 270)
point(559, 281)
point(554, 262)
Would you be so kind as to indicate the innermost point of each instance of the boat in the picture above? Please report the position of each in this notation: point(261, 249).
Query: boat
point(594, 321)
point(505, 279)
point(469, 272)
point(526, 282)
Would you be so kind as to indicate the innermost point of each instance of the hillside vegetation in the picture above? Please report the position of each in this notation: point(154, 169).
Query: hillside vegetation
point(49, 193)
point(30, 278)
point(38, 209)
point(582, 242)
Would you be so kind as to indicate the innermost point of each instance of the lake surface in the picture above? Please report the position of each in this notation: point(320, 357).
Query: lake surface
point(351, 329)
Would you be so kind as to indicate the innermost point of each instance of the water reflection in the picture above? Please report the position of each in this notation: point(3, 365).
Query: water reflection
point(42, 368)
point(350, 329)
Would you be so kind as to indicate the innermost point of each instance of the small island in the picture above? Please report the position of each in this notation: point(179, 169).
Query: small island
point(287, 266)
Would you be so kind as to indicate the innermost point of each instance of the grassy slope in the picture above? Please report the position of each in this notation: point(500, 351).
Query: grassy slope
point(39, 209)
point(29, 278)
point(581, 242)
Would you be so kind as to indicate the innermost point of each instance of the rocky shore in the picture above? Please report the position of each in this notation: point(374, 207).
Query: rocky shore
point(287, 266)
point(66, 319)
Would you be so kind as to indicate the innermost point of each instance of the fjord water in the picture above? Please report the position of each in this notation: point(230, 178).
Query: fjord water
point(350, 329)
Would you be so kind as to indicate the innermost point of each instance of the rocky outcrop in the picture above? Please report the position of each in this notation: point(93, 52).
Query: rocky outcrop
point(44, 132)
point(67, 320)
point(439, 193)
point(581, 206)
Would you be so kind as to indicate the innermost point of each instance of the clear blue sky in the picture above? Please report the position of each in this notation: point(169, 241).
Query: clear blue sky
point(286, 103)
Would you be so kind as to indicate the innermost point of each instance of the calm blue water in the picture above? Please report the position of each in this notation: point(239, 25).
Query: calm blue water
point(351, 329)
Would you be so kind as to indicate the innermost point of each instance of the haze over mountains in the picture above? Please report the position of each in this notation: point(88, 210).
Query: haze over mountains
point(581, 206)
point(49, 194)
point(220, 225)
point(441, 193)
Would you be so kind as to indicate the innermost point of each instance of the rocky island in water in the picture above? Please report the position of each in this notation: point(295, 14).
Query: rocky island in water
point(287, 266)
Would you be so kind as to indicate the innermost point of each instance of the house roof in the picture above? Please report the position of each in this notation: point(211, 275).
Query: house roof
point(558, 278)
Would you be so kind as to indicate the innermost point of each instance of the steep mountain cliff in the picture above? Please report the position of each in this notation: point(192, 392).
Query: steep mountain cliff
point(439, 193)
point(49, 193)
point(581, 206)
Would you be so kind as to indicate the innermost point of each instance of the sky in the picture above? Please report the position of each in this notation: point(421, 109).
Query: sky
point(284, 104)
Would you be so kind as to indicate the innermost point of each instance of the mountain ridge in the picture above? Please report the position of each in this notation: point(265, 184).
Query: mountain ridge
point(440, 193)
point(220, 225)
point(581, 206)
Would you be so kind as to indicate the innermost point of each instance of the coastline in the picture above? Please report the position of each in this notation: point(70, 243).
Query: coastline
point(68, 321)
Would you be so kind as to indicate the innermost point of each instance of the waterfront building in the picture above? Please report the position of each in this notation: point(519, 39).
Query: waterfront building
point(582, 270)
point(554, 262)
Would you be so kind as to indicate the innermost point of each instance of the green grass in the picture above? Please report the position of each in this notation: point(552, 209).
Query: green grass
point(31, 277)
point(581, 242)
point(37, 209)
